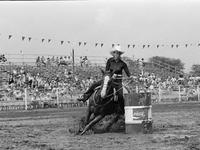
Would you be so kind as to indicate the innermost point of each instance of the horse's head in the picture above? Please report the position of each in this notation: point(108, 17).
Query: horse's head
point(106, 84)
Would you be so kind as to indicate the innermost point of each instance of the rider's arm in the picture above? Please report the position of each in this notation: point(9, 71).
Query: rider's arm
point(108, 65)
point(126, 70)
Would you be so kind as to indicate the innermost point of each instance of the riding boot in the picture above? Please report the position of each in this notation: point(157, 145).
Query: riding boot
point(89, 92)
point(84, 97)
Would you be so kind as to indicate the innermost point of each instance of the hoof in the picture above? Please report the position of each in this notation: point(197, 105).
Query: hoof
point(75, 132)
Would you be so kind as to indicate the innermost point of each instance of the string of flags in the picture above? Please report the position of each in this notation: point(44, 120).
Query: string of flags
point(97, 44)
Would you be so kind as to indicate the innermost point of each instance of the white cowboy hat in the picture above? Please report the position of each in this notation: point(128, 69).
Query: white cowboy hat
point(117, 48)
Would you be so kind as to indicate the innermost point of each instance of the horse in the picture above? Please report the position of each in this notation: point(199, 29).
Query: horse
point(102, 103)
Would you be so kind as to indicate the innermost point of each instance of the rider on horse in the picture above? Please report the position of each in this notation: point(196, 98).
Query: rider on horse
point(115, 66)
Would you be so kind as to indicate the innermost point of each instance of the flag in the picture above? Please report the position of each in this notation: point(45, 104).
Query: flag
point(101, 44)
point(113, 45)
point(23, 37)
point(85, 43)
point(128, 45)
point(61, 42)
point(96, 44)
point(42, 40)
point(49, 40)
point(9, 37)
point(79, 43)
point(29, 39)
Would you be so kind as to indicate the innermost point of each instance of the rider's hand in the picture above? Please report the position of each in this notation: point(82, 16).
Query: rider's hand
point(114, 76)
point(133, 77)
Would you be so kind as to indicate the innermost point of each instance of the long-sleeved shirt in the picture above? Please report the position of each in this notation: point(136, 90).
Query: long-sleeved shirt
point(116, 67)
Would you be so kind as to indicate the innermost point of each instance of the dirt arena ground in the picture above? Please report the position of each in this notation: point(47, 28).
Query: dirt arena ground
point(176, 127)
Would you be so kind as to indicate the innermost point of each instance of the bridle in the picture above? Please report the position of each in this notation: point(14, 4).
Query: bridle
point(112, 94)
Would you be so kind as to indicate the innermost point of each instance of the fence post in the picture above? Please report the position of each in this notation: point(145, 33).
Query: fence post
point(198, 92)
point(179, 93)
point(57, 97)
point(25, 99)
point(159, 94)
point(137, 89)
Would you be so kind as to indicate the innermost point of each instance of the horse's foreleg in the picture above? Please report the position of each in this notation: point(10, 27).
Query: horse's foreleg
point(112, 121)
point(93, 122)
point(88, 114)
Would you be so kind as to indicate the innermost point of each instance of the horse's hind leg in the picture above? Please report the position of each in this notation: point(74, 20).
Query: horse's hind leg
point(93, 122)
point(111, 122)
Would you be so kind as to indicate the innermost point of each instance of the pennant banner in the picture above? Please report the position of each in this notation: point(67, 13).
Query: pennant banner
point(9, 37)
point(23, 37)
point(29, 39)
point(84, 43)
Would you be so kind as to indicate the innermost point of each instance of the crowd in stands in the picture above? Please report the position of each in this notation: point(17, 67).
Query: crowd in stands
point(3, 58)
point(53, 60)
point(61, 60)
point(42, 82)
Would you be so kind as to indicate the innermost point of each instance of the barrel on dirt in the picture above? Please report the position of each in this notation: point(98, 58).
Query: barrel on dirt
point(138, 114)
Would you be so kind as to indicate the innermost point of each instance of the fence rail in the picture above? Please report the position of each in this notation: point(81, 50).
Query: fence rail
point(159, 95)
point(30, 106)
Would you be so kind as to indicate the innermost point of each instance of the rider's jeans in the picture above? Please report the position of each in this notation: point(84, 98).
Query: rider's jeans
point(119, 90)
point(93, 86)
point(117, 86)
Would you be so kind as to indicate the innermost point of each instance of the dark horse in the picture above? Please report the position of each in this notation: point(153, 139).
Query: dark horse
point(102, 103)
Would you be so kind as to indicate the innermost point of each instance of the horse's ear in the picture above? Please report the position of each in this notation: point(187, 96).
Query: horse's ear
point(102, 71)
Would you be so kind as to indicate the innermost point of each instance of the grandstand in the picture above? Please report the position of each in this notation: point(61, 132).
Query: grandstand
point(14, 61)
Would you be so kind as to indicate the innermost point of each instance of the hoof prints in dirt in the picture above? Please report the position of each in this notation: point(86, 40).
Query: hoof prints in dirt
point(193, 143)
point(79, 125)
point(28, 144)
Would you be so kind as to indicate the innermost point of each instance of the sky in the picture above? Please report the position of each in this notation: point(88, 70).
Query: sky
point(138, 22)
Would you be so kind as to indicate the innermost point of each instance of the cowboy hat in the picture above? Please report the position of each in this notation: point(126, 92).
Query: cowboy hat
point(117, 49)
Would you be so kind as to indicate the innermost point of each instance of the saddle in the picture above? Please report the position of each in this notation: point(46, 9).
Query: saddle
point(114, 93)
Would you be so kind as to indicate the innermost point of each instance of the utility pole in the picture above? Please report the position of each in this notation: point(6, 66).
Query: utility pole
point(73, 62)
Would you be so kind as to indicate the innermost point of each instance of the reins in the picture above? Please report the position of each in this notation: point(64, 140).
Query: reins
point(119, 88)
point(110, 94)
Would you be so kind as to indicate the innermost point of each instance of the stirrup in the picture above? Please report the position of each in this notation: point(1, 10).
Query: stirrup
point(98, 87)
point(81, 98)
